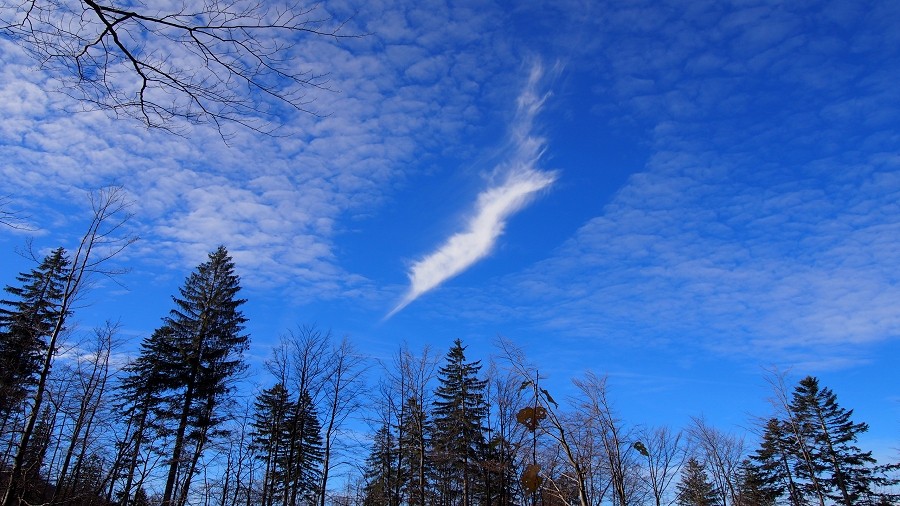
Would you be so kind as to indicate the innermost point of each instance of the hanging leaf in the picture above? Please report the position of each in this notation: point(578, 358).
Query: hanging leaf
point(531, 417)
point(525, 384)
point(531, 479)
point(549, 399)
point(641, 448)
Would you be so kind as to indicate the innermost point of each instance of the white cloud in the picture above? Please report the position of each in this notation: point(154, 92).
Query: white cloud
point(800, 271)
point(764, 224)
point(520, 182)
point(278, 203)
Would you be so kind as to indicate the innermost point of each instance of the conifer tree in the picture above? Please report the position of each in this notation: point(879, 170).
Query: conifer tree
point(270, 434)
point(303, 461)
point(753, 487)
point(25, 324)
point(381, 473)
point(288, 435)
point(414, 462)
point(775, 461)
point(695, 489)
point(141, 404)
point(459, 413)
point(827, 429)
point(28, 327)
point(194, 358)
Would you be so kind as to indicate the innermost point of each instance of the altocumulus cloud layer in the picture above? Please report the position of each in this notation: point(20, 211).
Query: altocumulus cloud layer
point(519, 182)
point(277, 202)
point(764, 222)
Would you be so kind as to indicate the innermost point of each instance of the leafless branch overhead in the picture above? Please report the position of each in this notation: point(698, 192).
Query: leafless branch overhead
point(209, 61)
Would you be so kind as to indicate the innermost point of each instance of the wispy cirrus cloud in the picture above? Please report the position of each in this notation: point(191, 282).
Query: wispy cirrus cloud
point(519, 182)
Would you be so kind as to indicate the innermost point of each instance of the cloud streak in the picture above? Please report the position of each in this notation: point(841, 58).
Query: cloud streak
point(519, 182)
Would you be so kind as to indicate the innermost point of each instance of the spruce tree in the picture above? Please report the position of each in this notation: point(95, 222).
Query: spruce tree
point(380, 470)
point(288, 436)
point(25, 323)
point(775, 461)
point(754, 489)
point(29, 323)
point(695, 489)
point(831, 434)
point(193, 359)
point(459, 413)
point(270, 437)
point(302, 464)
point(141, 404)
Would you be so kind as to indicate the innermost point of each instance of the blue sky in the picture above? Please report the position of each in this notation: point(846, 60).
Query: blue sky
point(678, 194)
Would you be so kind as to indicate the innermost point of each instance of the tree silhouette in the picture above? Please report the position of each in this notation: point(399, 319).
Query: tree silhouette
point(459, 412)
point(695, 489)
point(831, 433)
point(26, 322)
point(193, 359)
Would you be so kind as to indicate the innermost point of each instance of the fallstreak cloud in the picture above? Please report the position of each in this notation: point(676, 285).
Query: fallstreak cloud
point(520, 182)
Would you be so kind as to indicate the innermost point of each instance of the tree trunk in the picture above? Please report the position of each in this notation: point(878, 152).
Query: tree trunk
point(832, 457)
point(13, 492)
point(91, 395)
point(132, 465)
point(178, 447)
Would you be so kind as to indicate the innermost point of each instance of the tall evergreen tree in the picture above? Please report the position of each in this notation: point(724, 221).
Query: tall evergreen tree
point(303, 461)
point(25, 323)
point(775, 461)
point(141, 404)
point(29, 324)
point(381, 473)
point(754, 489)
point(459, 413)
point(194, 358)
point(288, 436)
point(270, 434)
point(827, 428)
point(695, 489)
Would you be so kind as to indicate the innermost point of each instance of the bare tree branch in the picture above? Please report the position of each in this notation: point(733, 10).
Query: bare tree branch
point(210, 61)
point(10, 218)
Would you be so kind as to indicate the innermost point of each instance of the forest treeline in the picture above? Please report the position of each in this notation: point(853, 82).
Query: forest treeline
point(175, 426)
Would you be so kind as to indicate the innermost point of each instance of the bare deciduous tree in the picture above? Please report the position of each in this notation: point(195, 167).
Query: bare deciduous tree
point(722, 453)
point(101, 242)
point(213, 61)
point(92, 374)
point(342, 396)
point(505, 434)
point(665, 455)
point(542, 416)
point(614, 435)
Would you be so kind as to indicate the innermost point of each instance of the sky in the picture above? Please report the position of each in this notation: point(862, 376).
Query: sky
point(682, 195)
